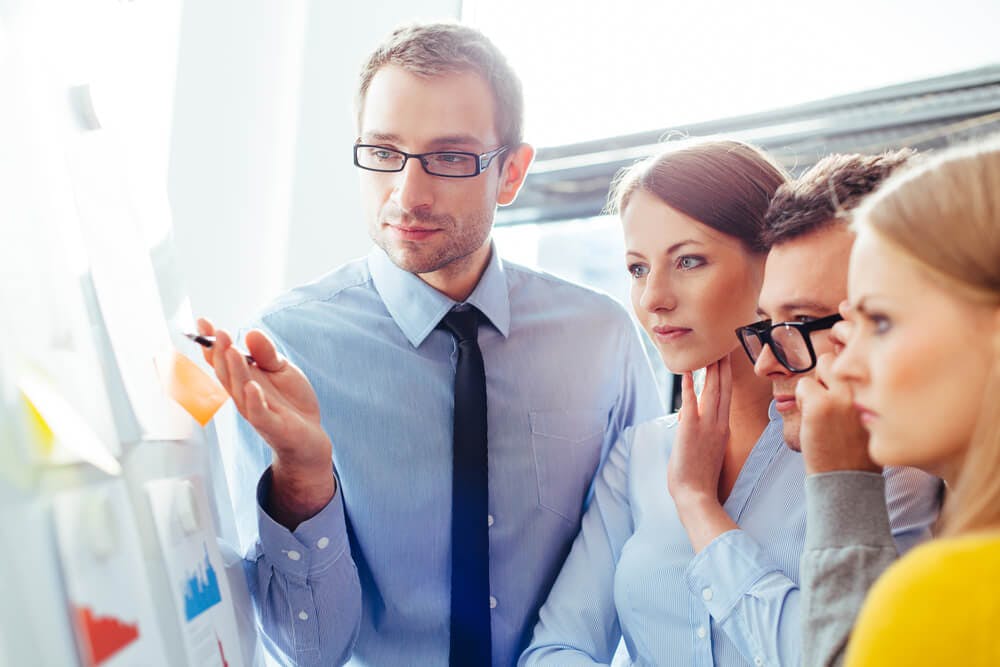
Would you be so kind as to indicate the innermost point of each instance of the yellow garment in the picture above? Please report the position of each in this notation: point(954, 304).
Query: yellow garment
point(938, 605)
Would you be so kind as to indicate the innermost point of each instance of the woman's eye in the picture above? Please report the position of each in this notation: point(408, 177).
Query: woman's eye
point(637, 271)
point(689, 262)
point(881, 323)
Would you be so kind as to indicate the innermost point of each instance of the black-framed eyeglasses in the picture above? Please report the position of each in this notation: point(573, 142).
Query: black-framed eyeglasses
point(450, 164)
point(789, 341)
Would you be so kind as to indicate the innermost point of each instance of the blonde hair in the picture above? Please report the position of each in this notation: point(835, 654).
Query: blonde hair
point(438, 49)
point(944, 212)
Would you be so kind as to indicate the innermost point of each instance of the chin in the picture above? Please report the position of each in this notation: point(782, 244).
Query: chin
point(686, 361)
point(791, 438)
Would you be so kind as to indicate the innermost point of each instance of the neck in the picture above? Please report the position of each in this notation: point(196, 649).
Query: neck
point(747, 419)
point(458, 279)
point(748, 411)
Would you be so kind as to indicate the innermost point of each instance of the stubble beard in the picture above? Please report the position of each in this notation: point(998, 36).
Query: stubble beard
point(455, 241)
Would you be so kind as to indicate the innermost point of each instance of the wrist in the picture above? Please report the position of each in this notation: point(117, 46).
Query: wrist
point(299, 493)
point(695, 502)
point(816, 466)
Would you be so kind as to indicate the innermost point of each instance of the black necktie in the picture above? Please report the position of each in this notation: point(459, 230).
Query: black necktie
point(470, 543)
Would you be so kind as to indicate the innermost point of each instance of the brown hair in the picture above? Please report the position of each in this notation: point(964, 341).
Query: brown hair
point(722, 183)
point(435, 49)
point(944, 213)
point(826, 193)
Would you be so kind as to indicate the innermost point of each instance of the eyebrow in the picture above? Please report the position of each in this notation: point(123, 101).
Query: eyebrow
point(810, 306)
point(671, 250)
point(437, 142)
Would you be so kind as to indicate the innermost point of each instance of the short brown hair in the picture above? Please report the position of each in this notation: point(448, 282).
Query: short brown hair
point(827, 193)
point(723, 183)
point(435, 49)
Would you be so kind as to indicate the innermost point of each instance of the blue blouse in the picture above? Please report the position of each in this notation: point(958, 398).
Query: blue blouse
point(632, 571)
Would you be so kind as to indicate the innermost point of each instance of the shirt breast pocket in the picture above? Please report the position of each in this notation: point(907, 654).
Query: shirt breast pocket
point(567, 449)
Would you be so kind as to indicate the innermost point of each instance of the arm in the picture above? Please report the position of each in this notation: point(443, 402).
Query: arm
point(578, 624)
point(304, 585)
point(856, 517)
point(749, 597)
point(302, 580)
point(849, 544)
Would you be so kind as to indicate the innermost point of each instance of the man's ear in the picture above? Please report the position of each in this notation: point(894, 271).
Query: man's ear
point(515, 168)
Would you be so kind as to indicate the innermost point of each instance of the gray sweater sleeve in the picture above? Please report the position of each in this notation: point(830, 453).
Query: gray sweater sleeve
point(848, 545)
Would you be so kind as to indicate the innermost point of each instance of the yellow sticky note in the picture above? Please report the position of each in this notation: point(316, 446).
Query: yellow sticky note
point(194, 389)
point(37, 428)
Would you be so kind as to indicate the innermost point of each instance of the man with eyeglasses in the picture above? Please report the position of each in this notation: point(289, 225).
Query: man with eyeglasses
point(465, 402)
point(858, 516)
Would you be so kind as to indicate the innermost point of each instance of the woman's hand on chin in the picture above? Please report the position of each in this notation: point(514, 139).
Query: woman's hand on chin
point(699, 450)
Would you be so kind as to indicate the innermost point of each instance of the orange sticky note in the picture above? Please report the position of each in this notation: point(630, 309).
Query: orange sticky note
point(194, 389)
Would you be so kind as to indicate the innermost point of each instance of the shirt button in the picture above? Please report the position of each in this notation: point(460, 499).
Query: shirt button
point(489, 519)
point(493, 602)
point(303, 616)
point(701, 632)
point(706, 594)
point(293, 555)
point(323, 542)
point(758, 661)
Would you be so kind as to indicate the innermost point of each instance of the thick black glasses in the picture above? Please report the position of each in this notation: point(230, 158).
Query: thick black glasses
point(450, 164)
point(789, 341)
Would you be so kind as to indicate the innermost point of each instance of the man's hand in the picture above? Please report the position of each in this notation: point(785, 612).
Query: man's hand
point(831, 436)
point(277, 400)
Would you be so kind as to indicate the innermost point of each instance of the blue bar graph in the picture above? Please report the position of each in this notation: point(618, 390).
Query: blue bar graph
point(201, 590)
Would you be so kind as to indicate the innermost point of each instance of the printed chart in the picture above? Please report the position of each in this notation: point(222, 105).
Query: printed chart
point(196, 571)
point(108, 598)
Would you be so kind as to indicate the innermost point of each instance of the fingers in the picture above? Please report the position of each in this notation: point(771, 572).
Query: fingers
point(837, 388)
point(840, 334)
point(807, 390)
point(263, 351)
point(258, 411)
point(708, 402)
point(725, 388)
point(239, 375)
point(205, 328)
point(689, 402)
point(222, 343)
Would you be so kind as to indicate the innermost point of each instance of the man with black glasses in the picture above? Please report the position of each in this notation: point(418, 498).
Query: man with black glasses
point(854, 508)
point(465, 402)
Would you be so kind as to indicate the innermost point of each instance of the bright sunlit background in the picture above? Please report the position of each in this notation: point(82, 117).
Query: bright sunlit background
point(600, 69)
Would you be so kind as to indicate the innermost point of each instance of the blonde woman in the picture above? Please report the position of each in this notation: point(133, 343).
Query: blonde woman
point(922, 361)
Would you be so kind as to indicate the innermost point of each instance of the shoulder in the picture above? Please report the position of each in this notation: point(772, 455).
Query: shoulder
point(531, 285)
point(324, 291)
point(941, 565)
point(946, 584)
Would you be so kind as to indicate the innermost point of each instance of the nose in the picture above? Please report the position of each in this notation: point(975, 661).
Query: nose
point(414, 187)
point(849, 365)
point(767, 364)
point(657, 294)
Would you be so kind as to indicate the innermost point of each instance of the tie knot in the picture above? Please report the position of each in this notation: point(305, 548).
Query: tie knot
point(462, 324)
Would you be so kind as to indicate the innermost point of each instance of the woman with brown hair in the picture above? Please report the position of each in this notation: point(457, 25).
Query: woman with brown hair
point(690, 577)
point(923, 361)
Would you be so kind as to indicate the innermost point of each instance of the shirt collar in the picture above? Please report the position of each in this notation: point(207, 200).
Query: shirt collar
point(416, 307)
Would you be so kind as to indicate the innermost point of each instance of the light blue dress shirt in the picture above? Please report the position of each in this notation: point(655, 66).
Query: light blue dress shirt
point(367, 580)
point(632, 571)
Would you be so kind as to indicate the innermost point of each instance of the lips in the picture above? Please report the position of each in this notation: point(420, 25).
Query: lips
point(667, 333)
point(412, 233)
point(784, 402)
point(866, 415)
